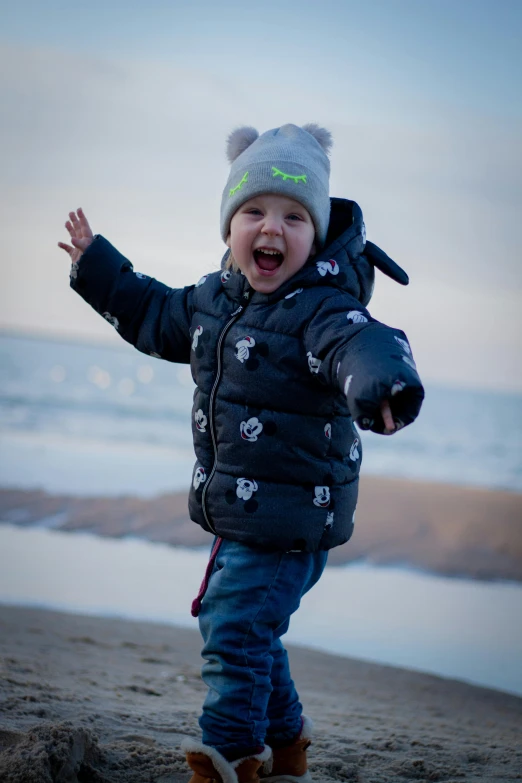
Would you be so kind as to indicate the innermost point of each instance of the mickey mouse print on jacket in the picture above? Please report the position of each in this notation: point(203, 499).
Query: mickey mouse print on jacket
point(280, 380)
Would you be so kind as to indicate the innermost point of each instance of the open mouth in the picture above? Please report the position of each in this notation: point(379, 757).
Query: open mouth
point(267, 260)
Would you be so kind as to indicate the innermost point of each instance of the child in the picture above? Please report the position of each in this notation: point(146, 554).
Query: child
point(285, 358)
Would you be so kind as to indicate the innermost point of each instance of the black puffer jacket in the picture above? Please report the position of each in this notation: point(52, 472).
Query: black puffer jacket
point(280, 379)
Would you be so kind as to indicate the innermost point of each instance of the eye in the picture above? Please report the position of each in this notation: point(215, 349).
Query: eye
point(254, 211)
point(294, 217)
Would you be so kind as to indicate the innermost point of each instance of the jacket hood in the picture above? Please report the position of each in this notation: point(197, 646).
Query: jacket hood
point(347, 261)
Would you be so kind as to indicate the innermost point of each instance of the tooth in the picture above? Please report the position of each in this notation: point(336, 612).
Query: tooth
point(269, 252)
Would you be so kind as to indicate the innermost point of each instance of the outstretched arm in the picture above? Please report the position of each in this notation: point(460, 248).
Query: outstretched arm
point(146, 313)
point(370, 362)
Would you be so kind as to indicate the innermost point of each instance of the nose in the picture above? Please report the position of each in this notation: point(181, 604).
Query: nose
point(272, 225)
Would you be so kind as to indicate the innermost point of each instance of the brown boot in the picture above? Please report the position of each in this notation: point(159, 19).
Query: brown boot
point(209, 766)
point(289, 764)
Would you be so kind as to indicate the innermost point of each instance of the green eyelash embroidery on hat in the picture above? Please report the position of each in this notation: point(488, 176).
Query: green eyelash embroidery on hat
point(239, 185)
point(278, 173)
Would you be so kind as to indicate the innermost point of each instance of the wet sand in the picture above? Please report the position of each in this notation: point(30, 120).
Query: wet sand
point(445, 529)
point(91, 700)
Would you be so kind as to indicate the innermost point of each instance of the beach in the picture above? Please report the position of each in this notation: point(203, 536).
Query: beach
point(103, 700)
point(91, 699)
point(99, 562)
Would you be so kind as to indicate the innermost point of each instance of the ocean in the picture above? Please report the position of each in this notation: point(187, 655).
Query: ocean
point(92, 419)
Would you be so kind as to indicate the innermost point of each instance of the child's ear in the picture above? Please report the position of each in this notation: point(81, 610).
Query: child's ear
point(313, 250)
point(227, 241)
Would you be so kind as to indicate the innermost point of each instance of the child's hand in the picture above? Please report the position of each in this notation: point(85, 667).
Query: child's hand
point(386, 414)
point(81, 235)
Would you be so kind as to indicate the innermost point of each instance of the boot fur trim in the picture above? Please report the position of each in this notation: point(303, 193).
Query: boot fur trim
point(308, 728)
point(227, 769)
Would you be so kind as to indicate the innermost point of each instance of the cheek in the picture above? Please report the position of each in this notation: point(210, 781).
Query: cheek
point(306, 243)
point(311, 242)
point(307, 247)
point(238, 239)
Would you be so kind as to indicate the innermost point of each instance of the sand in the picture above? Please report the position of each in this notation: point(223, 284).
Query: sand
point(442, 528)
point(91, 700)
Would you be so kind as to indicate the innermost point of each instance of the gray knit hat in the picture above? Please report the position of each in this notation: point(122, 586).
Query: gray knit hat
point(289, 161)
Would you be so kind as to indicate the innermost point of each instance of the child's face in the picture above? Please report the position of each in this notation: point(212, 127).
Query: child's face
point(271, 223)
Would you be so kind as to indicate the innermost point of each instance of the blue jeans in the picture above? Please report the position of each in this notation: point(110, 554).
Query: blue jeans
point(246, 609)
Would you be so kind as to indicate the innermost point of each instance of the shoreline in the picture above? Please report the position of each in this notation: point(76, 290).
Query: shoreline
point(111, 699)
point(441, 529)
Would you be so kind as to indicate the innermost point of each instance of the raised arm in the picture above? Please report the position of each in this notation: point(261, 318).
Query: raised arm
point(371, 363)
point(146, 313)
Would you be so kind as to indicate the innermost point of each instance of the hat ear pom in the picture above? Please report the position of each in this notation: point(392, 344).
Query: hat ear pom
point(239, 140)
point(321, 135)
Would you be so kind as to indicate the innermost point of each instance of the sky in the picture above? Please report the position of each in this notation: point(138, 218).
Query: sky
point(123, 108)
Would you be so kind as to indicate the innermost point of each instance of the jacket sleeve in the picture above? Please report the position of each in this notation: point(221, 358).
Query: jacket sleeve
point(146, 313)
point(367, 360)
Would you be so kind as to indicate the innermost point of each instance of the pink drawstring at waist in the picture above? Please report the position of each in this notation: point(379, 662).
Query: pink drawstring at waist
point(196, 603)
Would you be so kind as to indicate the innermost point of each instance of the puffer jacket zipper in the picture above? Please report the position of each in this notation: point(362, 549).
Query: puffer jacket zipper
point(234, 316)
